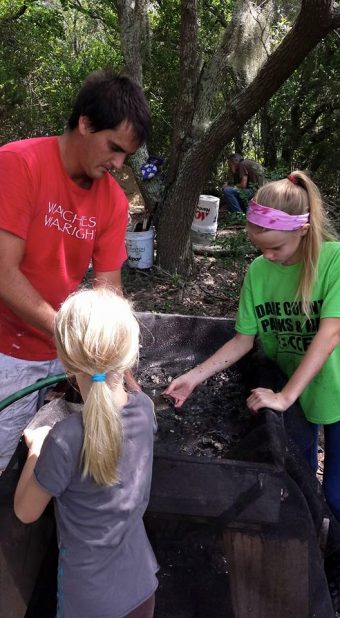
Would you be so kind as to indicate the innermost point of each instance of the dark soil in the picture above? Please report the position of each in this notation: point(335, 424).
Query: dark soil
point(210, 423)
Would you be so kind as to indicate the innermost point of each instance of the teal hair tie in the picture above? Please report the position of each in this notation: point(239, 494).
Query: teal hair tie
point(98, 377)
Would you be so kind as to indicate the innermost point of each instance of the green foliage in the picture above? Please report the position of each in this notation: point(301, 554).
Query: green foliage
point(305, 116)
point(161, 72)
point(24, 44)
point(45, 55)
point(278, 172)
point(49, 47)
point(215, 16)
point(236, 242)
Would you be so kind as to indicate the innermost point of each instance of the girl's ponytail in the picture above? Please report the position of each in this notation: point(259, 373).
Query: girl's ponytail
point(319, 231)
point(102, 446)
point(97, 333)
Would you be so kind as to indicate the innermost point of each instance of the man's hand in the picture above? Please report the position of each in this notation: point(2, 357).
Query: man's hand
point(266, 398)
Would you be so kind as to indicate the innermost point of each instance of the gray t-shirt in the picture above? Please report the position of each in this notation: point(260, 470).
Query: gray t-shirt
point(106, 564)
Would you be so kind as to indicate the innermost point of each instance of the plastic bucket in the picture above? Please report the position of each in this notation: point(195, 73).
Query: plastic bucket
point(204, 225)
point(140, 249)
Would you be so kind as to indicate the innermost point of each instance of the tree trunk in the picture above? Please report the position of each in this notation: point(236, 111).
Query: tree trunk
point(132, 24)
point(189, 74)
point(177, 211)
point(152, 190)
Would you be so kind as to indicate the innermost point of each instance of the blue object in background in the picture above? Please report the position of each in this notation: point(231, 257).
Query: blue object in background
point(151, 167)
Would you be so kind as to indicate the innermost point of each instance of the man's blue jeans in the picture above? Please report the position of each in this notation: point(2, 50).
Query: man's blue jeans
point(233, 199)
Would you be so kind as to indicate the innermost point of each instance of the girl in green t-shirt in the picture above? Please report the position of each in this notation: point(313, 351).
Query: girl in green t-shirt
point(291, 299)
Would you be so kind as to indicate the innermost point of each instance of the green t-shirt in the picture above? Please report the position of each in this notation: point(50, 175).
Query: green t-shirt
point(268, 308)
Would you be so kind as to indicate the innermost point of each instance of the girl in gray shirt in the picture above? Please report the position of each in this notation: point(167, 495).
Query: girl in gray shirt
point(97, 465)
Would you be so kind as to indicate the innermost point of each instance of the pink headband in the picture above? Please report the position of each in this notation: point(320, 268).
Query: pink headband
point(273, 219)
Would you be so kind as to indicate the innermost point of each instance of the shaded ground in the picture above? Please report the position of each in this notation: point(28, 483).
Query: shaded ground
point(213, 289)
point(215, 284)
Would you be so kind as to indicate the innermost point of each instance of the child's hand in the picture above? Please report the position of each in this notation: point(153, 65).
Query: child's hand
point(34, 438)
point(180, 389)
point(266, 398)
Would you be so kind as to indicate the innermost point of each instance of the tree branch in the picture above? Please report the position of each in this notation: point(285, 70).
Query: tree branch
point(313, 23)
point(235, 39)
point(87, 11)
point(216, 13)
point(14, 16)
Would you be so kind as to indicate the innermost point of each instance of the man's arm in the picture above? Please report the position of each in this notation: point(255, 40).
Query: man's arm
point(111, 279)
point(15, 289)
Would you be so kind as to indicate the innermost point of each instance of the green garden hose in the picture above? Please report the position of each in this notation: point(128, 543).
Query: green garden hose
point(31, 389)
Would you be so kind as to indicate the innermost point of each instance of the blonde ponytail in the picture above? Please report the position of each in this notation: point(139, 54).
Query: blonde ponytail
point(319, 231)
point(102, 446)
point(96, 332)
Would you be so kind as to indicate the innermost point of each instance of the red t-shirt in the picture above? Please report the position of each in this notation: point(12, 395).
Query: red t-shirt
point(64, 226)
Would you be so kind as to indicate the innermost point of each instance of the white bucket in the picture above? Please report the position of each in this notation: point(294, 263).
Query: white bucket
point(140, 248)
point(204, 224)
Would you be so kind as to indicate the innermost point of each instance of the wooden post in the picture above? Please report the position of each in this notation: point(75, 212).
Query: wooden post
point(269, 575)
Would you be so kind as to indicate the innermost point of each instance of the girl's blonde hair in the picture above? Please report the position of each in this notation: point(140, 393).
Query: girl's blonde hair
point(296, 197)
point(97, 332)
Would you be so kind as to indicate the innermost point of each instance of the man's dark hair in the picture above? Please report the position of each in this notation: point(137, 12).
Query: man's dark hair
point(235, 156)
point(107, 99)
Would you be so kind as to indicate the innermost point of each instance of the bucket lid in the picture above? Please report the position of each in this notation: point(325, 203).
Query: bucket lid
point(209, 198)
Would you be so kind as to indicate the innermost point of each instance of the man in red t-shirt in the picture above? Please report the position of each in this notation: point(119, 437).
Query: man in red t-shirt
point(60, 208)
